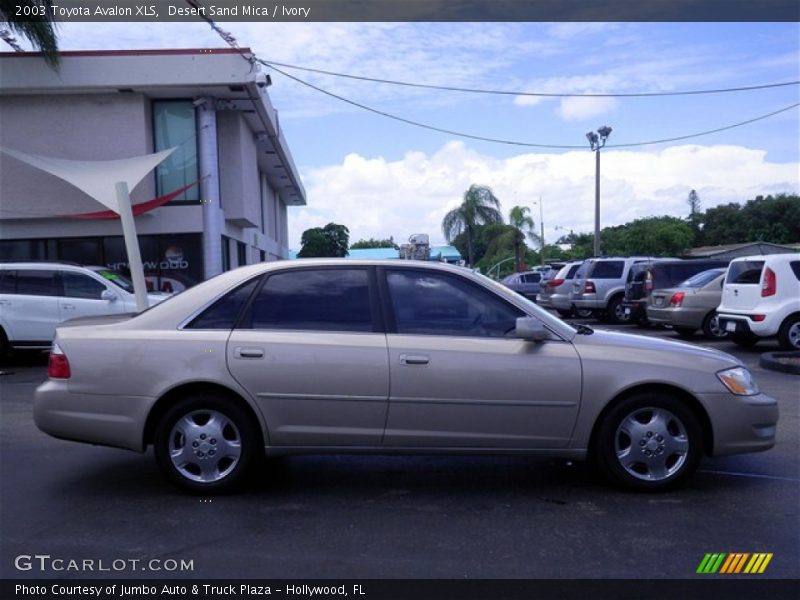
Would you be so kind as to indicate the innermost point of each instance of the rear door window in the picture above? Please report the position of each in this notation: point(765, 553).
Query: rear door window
point(224, 313)
point(608, 269)
point(37, 282)
point(746, 272)
point(795, 264)
point(314, 300)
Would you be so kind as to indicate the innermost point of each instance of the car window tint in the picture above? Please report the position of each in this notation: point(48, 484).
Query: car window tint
point(745, 272)
point(77, 285)
point(702, 278)
point(571, 273)
point(795, 264)
point(224, 313)
point(36, 282)
point(608, 269)
point(315, 300)
point(439, 304)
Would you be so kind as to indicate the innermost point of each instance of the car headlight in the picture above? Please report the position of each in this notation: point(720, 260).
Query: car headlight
point(739, 381)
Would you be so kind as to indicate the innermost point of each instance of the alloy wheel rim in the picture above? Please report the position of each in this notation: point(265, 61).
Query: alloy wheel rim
point(716, 330)
point(651, 444)
point(205, 446)
point(794, 335)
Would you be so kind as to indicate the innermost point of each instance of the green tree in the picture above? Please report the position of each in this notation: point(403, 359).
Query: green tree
point(38, 29)
point(479, 206)
point(373, 243)
point(523, 225)
point(695, 215)
point(482, 238)
point(329, 241)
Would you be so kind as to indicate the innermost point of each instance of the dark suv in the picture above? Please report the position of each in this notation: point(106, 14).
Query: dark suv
point(645, 277)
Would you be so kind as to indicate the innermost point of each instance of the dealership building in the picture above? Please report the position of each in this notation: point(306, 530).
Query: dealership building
point(218, 201)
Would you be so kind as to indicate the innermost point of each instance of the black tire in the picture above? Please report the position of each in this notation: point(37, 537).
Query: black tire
point(745, 340)
point(583, 313)
point(712, 329)
point(6, 351)
point(789, 333)
point(616, 312)
point(658, 423)
point(564, 313)
point(684, 332)
point(227, 444)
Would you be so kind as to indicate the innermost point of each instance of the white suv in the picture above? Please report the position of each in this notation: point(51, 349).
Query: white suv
point(36, 296)
point(761, 298)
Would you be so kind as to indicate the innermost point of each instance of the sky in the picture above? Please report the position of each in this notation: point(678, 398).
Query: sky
point(381, 177)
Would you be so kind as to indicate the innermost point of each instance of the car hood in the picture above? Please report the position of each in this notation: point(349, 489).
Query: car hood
point(638, 349)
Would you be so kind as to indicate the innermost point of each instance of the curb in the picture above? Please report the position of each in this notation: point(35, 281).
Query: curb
point(771, 360)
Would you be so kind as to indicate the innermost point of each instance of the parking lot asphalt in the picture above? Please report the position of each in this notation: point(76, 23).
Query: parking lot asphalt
point(389, 517)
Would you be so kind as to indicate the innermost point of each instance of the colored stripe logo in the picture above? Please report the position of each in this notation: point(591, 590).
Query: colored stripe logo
point(733, 563)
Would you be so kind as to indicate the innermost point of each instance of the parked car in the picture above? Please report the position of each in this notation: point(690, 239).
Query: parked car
point(643, 278)
point(761, 299)
point(690, 305)
point(526, 283)
point(340, 356)
point(36, 296)
point(555, 293)
point(599, 286)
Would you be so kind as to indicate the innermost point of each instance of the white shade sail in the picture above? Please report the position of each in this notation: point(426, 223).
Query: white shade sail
point(97, 178)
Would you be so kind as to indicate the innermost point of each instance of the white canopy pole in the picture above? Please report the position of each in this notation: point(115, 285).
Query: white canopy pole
point(132, 245)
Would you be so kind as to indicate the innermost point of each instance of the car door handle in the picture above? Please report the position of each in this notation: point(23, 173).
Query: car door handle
point(414, 359)
point(248, 352)
point(68, 306)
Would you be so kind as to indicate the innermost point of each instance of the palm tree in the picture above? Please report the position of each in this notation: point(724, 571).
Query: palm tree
point(39, 29)
point(520, 220)
point(480, 207)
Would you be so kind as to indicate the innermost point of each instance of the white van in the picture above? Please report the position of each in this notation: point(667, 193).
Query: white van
point(761, 299)
point(36, 296)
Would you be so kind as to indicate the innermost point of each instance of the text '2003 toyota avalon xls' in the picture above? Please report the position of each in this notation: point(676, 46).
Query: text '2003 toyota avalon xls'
point(321, 356)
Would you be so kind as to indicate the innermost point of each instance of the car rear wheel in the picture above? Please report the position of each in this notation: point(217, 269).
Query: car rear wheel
point(649, 441)
point(206, 444)
point(564, 313)
point(789, 333)
point(584, 313)
point(712, 328)
point(616, 312)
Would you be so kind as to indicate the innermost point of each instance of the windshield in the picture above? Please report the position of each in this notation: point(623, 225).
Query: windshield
point(117, 279)
point(702, 278)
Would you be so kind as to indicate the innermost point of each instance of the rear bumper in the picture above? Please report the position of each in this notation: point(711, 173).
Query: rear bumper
point(106, 420)
point(743, 324)
point(635, 308)
point(741, 423)
point(683, 317)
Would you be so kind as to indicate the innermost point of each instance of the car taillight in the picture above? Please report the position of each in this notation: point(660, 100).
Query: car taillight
point(58, 365)
point(677, 299)
point(769, 287)
point(758, 318)
point(588, 287)
point(648, 285)
point(555, 282)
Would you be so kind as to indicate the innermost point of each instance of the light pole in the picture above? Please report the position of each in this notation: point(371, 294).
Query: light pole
point(597, 141)
point(541, 224)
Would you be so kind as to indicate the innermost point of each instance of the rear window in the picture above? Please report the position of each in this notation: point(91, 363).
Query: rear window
point(608, 269)
point(532, 278)
point(702, 278)
point(571, 273)
point(795, 264)
point(745, 272)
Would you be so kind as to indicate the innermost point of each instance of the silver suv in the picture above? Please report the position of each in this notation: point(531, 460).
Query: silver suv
point(599, 286)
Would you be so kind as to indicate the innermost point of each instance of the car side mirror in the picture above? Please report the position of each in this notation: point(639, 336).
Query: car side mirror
point(108, 295)
point(531, 329)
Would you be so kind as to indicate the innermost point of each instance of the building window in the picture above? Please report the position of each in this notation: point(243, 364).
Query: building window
point(226, 254)
point(174, 125)
point(241, 254)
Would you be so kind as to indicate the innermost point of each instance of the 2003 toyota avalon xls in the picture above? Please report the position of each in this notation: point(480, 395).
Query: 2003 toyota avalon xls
point(340, 356)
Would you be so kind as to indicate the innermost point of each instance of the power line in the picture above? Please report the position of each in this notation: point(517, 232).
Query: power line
point(449, 88)
point(515, 142)
point(251, 58)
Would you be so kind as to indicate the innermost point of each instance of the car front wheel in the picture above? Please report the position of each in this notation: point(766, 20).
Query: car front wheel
point(649, 441)
point(206, 444)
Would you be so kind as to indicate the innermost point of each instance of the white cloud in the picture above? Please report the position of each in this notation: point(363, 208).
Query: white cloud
point(377, 198)
point(578, 109)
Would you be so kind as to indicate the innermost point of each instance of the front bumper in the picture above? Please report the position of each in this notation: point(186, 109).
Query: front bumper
point(741, 423)
point(106, 420)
